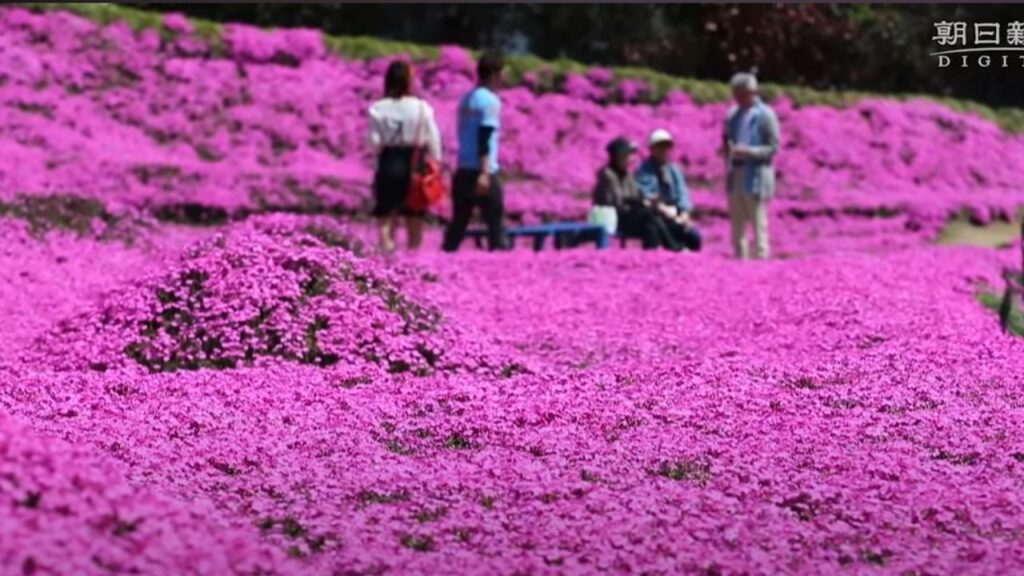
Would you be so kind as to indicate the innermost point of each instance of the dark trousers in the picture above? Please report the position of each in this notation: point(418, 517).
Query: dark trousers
point(656, 231)
point(465, 199)
point(683, 236)
point(640, 223)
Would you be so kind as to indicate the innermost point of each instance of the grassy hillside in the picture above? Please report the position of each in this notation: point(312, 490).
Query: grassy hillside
point(355, 47)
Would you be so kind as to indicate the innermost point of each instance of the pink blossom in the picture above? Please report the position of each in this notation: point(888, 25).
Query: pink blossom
point(177, 23)
point(205, 367)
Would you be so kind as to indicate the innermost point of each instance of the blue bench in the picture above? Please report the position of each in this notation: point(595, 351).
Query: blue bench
point(566, 234)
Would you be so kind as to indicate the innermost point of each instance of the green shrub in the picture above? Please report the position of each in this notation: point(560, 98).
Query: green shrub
point(993, 301)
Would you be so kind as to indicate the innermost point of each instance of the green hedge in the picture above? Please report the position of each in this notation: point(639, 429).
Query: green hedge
point(362, 47)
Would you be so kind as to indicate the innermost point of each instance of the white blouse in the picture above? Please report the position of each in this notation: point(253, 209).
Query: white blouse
point(406, 121)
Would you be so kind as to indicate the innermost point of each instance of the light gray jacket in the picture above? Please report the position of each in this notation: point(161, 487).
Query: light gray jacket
point(755, 176)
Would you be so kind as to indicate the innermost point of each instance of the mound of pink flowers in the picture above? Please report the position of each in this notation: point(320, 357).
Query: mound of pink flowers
point(206, 368)
point(266, 290)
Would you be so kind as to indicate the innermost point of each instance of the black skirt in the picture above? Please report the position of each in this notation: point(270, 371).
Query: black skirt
point(391, 182)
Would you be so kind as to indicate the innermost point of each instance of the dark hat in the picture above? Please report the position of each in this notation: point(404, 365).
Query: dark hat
point(620, 146)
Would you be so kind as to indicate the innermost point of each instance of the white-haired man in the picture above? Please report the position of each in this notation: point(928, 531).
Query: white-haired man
point(751, 137)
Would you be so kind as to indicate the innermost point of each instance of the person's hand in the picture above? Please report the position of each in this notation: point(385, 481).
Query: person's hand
point(740, 152)
point(483, 183)
point(683, 219)
point(668, 211)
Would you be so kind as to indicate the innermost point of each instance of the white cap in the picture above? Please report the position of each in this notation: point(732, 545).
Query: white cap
point(658, 136)
point(744, 80)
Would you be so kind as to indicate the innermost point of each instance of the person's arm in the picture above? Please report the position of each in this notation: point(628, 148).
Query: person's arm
point(604, 190)
point(488, 126)
point(433, 135)
point(373, 137)
point(769, 135)
point(483, 147)
point(646, 182)
point(683, 203)
point(631, 196)
point(726, 140)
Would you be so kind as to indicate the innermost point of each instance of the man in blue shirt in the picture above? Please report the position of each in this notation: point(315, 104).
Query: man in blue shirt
point(476, 182)
point(663, 187)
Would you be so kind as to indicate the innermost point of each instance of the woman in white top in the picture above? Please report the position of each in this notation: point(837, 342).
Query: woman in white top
point(400, 125)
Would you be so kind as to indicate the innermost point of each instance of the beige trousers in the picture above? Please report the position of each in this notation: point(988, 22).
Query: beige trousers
point(743, 209)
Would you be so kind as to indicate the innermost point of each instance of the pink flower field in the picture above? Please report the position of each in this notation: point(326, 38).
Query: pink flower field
point(205, 367)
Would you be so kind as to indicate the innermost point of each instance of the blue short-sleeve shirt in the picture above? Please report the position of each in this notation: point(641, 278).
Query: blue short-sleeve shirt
point(479, 107)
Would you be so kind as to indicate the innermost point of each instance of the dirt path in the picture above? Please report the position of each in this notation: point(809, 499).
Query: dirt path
point(993, 235)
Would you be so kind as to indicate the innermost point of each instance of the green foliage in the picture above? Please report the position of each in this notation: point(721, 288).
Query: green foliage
point(685, 471)
point(430, 514)
point(993, 301)
point(292, 529)
point(458, 442)
point(365, 48)
point(68, 213)
point(367, 497)
point(417, 543)
point(362, 47)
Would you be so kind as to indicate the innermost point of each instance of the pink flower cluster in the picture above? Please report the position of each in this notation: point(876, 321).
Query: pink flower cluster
point(270, 397)
point(270, 289)
point(252, 45)
point(66, 510)
point(689, 415)
point(350, 471)
point(274, 123)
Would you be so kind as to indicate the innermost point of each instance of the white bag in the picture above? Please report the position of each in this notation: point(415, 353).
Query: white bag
point(604, 216)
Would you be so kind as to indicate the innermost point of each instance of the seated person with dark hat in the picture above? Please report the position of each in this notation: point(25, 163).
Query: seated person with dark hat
point(618, 204)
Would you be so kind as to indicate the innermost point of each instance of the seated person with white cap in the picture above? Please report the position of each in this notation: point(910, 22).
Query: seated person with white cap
point(662, 184)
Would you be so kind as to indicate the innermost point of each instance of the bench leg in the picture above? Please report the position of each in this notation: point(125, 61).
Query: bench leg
point(538, 242)
point(574, 239)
